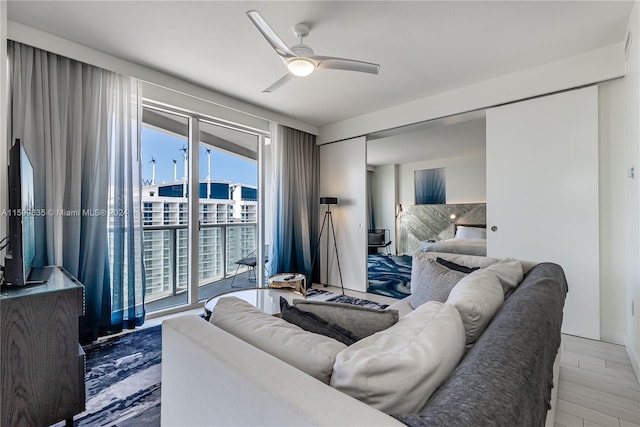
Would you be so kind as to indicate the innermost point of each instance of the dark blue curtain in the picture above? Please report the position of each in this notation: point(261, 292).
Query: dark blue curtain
point(296, 181)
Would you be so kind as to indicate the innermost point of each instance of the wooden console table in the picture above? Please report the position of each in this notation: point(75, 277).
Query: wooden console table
point(42, 363)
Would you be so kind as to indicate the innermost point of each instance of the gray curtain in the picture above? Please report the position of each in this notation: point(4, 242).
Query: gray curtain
point(370, 204)
point(296, 182)
point(67, 115)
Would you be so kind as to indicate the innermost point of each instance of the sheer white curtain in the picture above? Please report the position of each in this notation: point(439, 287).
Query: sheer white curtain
point(125, 205)
point(69, 116)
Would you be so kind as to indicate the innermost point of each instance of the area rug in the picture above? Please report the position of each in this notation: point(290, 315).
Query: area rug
point(389, 275)
point(123, 373)
point(123, 380)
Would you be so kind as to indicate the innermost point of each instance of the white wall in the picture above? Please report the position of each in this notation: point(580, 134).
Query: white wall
point(465, 176)
point(631, 90)
point(343, 175)
point(613, 181)
point(620, 205)
point(384, 193)
point(632, 148)
point(542, 193)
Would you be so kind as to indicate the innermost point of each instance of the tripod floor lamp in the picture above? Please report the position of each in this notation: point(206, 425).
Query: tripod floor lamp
point(328, 222)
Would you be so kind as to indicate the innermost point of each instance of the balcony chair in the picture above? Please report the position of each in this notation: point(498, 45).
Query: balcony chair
point(379, 238)
point(250, 261)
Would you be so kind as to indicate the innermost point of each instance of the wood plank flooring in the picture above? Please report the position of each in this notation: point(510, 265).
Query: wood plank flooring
point(597, 385)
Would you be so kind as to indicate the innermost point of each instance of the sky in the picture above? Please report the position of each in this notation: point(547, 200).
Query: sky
point(164, 148)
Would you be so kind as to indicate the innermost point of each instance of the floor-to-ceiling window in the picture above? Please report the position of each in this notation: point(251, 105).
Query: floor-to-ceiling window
point(194, 238)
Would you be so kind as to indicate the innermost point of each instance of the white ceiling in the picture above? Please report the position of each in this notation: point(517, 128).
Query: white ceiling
point(423, 47)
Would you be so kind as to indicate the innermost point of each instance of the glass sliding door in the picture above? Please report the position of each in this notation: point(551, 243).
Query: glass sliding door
point(164, 154)
point(228, 208)
point(194, 239)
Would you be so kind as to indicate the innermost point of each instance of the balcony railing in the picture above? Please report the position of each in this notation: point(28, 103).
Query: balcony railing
point(166, 255)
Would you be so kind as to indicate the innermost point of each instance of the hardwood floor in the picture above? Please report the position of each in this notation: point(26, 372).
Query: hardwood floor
point(597, 385)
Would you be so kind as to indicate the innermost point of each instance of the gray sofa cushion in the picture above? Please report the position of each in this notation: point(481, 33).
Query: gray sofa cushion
point(510, 368)
point(431, 281)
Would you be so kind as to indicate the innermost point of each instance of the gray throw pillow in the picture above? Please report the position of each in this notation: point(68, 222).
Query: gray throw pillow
point(433, 283)
point(458, 267)
point(362, 321)
point(313, 323)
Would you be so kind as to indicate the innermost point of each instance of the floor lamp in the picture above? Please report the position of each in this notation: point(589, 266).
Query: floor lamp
point(328, 222)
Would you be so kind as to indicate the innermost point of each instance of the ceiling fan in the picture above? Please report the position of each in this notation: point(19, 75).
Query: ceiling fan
point(300, 58)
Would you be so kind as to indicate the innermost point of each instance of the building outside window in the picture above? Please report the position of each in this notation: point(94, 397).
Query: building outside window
point(226, 199)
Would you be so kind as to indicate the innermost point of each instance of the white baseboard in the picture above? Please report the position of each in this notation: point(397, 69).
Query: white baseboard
point(634, 361)
point(614, 338)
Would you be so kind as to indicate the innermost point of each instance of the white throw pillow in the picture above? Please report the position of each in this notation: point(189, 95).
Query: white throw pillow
point(509, 272)
point(311, 353)
point(477, 297)
point(463, 232)
point(397, 370)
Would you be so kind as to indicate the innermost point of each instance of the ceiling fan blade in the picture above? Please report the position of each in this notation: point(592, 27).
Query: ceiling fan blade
point(332, 63)
point(274, 40)
point(279, 83)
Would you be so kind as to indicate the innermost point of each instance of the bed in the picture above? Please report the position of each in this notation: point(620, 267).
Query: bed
point(470, 239)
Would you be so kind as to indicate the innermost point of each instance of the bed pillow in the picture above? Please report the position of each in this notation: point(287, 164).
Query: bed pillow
point(312, 353)
point(361, 321)
point(312, 323)
point(477, 297)
point(431, 281)
point(398, 369)
point(463, 232)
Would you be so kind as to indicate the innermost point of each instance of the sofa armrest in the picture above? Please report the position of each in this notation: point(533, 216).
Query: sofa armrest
point(210, 377)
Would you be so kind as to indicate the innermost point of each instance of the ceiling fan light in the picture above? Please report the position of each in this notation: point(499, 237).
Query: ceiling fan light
point(301, 67)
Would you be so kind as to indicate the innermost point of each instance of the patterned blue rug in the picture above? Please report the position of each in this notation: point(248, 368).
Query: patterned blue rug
point(123, 380)
point(389, 275)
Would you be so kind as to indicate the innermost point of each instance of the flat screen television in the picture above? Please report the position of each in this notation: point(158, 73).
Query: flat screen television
point(22, 249)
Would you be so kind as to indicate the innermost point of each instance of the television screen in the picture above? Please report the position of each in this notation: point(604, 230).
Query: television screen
point(21, 251)
point(27, 204)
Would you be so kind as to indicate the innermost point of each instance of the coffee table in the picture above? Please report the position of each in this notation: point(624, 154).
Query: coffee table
point(266, 299)
point(294, 281)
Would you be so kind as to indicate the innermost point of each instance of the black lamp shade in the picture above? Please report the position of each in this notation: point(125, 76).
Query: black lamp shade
point(328, 200)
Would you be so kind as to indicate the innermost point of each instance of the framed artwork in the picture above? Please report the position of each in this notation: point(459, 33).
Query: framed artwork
point(430, 186)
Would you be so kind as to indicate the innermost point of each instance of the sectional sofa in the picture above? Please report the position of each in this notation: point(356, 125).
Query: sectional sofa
point(504, 378)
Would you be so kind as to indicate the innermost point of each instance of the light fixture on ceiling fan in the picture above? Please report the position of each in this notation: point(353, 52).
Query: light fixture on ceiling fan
point(300, 59)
